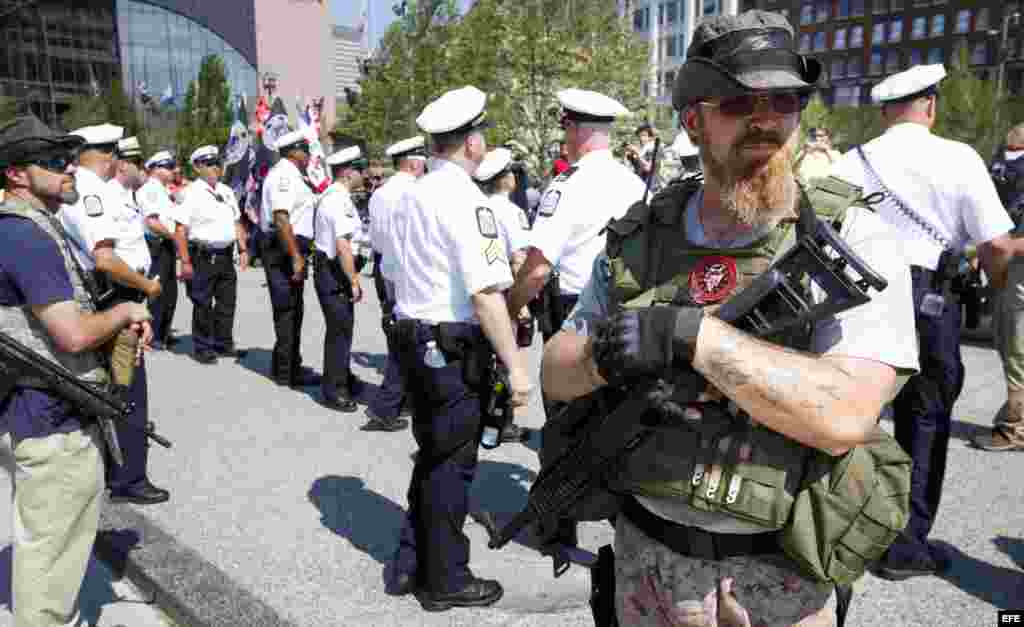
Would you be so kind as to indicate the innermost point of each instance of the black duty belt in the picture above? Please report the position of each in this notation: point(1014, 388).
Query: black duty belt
point(922, 273)
point(695, 542)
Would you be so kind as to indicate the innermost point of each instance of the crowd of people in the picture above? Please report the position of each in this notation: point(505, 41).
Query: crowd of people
point(623, 271)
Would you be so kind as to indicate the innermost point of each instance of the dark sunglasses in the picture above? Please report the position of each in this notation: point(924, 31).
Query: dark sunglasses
point(58, 164)
point(209, 163)
point(168, 165)
point(742, 106)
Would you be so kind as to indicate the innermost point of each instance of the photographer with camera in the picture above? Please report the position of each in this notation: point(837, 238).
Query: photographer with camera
point(817, 156)
point(642, 158)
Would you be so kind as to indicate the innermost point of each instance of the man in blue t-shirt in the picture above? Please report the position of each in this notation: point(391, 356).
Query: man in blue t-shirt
point(49, 447)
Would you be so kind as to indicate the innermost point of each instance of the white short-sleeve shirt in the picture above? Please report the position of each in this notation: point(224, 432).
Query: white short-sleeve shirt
point(210, 213)
point(90, 220)
point(512, 221)
point(448, 247)
point(130, 237)
point(284, 189)
point(574, 211)
point(155, 200)
point(383, 204)
point(335, 218)
point(945, 182)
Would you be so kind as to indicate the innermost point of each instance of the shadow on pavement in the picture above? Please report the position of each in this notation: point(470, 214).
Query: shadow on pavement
point(368, 520)
point(998, 586)
point(376, 361)
point(1013, 548)
point(183, 345)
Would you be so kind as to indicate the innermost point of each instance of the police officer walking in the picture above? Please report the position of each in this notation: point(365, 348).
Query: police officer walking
point(159, 211)
point(409, 158)
point(106, 229)
point(452, 319)
point(45, 304)
point(568, 232)
point(209, 222)
point(337, 283)
point(690, 532)
point(938, 195)
point(287, 226)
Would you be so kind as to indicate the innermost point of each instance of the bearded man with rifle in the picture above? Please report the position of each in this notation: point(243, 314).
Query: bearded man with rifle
point(755, 406)
point(48, 311)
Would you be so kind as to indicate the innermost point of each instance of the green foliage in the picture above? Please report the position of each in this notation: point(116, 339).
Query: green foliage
point(521, 53)
point(206, 116)
point(112, 106)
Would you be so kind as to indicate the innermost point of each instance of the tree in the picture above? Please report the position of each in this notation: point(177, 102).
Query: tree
point(521, 53)
point(206, 116)
point(112, 106)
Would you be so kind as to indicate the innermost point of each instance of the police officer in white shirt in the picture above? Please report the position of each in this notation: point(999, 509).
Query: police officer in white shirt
point(938, 195)
point(336, 281)
point(497, 180)
point(287, 229)
point(208, 225)
point(159, 210)
point(409, 158)
point(452, 318)
point(107, 235)
point(568, 232)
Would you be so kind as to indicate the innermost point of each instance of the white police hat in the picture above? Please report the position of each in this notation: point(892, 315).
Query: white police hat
point(99, 135)
point(345, 155)
point(494, 163)
point(164, 158)
point(583, 105)
point(412, 148)
point(918, 81)
point(129, 147)
point(204, 152)
point(290, 139)
point(457, 111)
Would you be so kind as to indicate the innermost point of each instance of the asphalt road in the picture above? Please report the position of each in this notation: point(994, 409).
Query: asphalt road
point(295, 510)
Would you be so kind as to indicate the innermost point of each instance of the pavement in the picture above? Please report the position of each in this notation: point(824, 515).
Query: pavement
point(284, 513)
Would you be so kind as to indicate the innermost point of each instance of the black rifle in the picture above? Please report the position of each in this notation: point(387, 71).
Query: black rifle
point(18, 361)
point(772, 303)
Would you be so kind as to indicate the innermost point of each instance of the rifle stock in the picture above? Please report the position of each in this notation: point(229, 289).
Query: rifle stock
point(772, 303)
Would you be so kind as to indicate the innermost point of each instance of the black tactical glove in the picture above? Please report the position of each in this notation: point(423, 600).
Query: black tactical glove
point(644, 342)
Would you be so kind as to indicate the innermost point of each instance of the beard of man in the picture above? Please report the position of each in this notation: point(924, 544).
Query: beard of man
point(758, 192)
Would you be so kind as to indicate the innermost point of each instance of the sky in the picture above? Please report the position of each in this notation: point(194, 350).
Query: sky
point(347, 13)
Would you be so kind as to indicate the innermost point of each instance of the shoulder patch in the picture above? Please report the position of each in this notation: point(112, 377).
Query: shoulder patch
point(486, 223)
point(493, 252)
point(549, 203)
point(283, 184)
point(524, 220)
point(93, 206)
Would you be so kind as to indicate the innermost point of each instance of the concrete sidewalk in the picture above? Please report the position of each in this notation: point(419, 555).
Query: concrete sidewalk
point(284, 512)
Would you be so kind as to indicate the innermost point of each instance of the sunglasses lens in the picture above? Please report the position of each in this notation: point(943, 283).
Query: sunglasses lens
point(784, 103)
point(788, 103)
point(737, 106)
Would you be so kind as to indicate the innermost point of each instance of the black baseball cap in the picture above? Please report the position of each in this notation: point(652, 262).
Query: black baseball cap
point(26, 138)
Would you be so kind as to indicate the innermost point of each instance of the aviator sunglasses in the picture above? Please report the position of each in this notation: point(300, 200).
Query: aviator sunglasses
point(57, 163)
point(742, 106)
point(209, 162)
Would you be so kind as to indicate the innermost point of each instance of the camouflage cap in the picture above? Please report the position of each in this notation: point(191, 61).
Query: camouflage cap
point(732, 55)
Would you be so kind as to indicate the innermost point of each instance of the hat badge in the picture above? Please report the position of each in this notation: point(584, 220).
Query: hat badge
point(712, 279)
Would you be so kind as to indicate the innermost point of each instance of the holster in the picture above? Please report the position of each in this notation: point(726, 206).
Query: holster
point(472, 349)
point(946, 273)
point(546, 308)
point(602, 589)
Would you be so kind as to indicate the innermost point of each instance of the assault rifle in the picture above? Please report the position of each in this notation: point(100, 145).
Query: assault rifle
point(772, 303)
point(17, 361)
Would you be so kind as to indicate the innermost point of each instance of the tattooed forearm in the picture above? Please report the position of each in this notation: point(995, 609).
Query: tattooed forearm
point(797, 394)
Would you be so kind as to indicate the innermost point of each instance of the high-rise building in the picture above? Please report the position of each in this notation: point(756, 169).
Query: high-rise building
point(860, 42)
point(349, 53)
point(668, 25)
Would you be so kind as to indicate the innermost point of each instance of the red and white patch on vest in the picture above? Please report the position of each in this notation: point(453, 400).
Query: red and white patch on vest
point(712, 280)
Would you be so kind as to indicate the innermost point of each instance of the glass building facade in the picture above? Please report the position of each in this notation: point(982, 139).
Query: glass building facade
point(161, 52)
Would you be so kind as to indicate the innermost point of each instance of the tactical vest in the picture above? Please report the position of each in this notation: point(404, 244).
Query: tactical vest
point(22, 325)
point(720, 461)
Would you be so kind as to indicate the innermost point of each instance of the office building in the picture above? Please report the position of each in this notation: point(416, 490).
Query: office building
point(349, 52)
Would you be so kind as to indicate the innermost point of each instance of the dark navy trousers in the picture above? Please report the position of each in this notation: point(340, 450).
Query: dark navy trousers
point(213, 291)
point(286, 300)
point(446, 425)
point(131, 436)
point(923, 414)
point(339, 316)
point(163, 306)
point(388, 401)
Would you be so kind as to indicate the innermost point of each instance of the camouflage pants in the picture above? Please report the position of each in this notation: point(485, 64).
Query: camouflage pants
point(656, 587)
point(1008, 332)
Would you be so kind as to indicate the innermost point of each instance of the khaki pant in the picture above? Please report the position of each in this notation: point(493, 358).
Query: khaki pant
point(123, 349)
point(57, 486)
point(1008, 337)
point(657, 587)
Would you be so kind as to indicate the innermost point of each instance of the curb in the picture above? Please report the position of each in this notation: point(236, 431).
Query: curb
point(190, 590)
